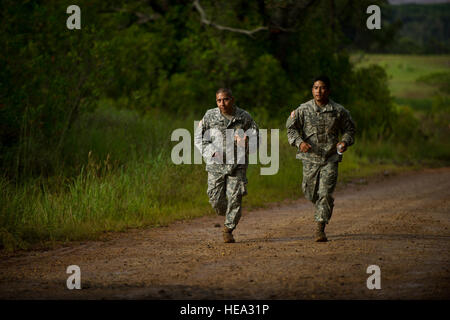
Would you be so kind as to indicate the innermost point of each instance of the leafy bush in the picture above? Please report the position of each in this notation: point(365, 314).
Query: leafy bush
point(371, 106)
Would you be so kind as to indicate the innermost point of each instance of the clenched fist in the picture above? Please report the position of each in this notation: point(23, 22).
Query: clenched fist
point(304, 147)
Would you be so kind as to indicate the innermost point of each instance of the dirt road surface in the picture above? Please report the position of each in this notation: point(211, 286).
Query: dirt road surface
point(398, 222)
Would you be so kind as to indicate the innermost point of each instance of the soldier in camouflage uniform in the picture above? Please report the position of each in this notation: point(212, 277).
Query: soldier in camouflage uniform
point(226, 172)
point(314, 128)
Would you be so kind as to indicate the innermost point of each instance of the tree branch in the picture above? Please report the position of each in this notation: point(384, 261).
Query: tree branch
point(204, 20)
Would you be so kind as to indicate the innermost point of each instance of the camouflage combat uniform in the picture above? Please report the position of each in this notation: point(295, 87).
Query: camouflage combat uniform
point(320, 127)
point(227, 182)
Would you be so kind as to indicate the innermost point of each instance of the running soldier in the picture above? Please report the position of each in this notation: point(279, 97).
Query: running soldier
point(226, 163)
point(314, 128)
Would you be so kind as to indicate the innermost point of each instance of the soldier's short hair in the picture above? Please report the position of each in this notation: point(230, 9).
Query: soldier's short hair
point(225, 90)
point(324, 79)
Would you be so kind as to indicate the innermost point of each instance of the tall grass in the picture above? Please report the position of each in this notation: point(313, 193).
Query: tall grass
point(125, 179)
point(121, 176)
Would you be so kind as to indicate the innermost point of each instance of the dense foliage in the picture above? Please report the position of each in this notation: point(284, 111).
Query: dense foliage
point(424, 29)
point(86, 115)
point(160, 55)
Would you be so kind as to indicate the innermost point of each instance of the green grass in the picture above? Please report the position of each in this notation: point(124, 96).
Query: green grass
point(140, 195)
point(420, 86)
point(122, 177)
point(115, 170)
point(404, 71)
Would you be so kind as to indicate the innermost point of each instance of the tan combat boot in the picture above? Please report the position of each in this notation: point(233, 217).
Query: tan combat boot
point(227, 235)
point(320, 232)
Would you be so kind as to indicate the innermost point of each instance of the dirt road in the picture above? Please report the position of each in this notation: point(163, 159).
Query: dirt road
point(399, 223)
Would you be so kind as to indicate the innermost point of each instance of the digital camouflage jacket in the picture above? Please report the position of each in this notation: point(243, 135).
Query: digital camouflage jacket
point(208, 140)
point(320, 127)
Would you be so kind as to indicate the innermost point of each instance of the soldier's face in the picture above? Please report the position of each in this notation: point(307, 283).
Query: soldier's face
point(225, 102)
point(320, 92)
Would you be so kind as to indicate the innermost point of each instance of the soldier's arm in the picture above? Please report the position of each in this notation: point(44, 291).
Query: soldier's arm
point(294, 125)
point(348, 128)
point(202, 139)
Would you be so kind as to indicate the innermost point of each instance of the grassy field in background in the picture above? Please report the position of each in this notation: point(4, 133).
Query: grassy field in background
point(405, 72)
point(117, 172)
point(124, 178)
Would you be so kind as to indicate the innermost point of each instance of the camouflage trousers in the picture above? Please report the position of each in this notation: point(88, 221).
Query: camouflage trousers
point(319, 182)
point(225, 192)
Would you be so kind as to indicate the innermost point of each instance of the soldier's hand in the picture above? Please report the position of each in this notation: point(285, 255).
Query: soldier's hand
point(342, 145)
point(241, 141)
point(217, 155)
point(304, 147)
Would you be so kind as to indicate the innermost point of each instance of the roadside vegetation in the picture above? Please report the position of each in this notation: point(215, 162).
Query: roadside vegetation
point(86, 117)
